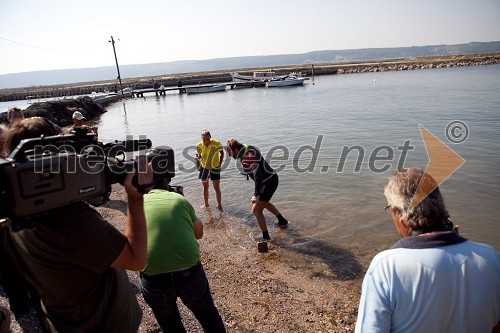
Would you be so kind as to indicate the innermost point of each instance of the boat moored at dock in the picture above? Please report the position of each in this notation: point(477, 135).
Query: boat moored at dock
point(286, 82)
point(262, 76)
point(205, 89)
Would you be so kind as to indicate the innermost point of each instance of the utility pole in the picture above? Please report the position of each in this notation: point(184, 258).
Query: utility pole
point(112, 41)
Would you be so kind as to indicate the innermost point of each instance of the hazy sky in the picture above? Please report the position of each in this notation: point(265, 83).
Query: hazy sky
point(59, 34)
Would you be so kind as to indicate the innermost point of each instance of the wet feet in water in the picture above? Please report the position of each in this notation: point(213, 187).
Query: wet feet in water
point(282, 224)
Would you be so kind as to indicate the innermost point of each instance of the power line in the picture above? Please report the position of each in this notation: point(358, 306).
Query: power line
point(50, 49)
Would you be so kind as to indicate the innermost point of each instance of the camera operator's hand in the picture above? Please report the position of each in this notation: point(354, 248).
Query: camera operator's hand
point(134, 253)
point(141, 176)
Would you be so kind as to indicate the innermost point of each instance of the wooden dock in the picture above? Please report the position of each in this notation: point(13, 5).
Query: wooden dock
point(158, 91)
point(163, 90)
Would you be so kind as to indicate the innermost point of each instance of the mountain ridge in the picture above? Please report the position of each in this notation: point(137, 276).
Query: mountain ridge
point(67, 76)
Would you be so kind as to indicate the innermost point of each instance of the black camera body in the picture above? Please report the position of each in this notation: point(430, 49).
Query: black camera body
point(50, 172)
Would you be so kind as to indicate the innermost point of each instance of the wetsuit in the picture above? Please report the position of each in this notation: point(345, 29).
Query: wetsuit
point(256, 167)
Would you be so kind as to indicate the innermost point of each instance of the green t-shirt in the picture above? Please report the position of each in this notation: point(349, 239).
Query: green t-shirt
point(171, 242)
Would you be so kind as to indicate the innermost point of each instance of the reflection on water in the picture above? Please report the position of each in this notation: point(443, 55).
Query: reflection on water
point(125, 120)
point(328, 207)
point(335, 205)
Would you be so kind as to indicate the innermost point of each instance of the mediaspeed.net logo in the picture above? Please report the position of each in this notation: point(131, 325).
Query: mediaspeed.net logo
point(443, 161)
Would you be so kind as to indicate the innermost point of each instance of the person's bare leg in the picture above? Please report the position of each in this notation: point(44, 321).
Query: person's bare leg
point(218, 194)
point(270, 207)
point(282, 222)
point(205, 192)
point(257, 209)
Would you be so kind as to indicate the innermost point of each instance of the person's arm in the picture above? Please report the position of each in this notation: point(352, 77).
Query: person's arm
point(221, 156)
point(257, 177)
point(198, 228)
point(197, 156)
point(199, 150)
point(134, 253)
point(374, 313)
point(253, 161)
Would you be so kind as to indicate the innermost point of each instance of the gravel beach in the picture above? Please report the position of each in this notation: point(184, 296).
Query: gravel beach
point(254, 292)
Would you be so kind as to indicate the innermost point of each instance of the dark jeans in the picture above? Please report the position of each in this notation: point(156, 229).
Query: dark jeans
point(191, 286)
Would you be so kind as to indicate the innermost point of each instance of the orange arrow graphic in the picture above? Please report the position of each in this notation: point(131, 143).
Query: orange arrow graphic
point(443, 161)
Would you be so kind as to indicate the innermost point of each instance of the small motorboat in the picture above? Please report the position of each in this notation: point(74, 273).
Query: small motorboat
point(286, 82)
point(260, 76)
point(97, 96)
point(205, 89)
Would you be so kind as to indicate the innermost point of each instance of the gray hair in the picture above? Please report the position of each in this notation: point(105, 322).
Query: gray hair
point(429, 214)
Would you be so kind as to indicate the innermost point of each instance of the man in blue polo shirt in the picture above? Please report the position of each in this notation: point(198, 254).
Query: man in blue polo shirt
point(432, 280)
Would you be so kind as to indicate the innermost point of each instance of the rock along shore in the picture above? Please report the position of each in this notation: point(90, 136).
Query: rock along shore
point(168, 80)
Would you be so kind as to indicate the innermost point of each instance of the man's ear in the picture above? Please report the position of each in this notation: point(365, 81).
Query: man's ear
point(403, 225)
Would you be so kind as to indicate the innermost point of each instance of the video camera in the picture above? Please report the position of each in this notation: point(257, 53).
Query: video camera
point(50, 172)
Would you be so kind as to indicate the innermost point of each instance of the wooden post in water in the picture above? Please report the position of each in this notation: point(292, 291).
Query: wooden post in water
point(312, 72)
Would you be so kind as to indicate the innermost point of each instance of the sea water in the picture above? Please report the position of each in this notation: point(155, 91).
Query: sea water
point(334, 199)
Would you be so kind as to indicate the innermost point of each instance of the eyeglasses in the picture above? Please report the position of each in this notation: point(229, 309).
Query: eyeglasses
point(387, 209)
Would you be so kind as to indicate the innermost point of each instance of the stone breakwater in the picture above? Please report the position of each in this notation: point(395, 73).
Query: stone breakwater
point(366, 68)
point(406, 64)
point(169, 80)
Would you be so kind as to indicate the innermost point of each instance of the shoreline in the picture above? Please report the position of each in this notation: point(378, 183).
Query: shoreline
point(278, 291)
point(268, 292)
point(219, 76)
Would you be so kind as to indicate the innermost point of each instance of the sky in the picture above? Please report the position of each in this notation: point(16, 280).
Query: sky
point(40, 35)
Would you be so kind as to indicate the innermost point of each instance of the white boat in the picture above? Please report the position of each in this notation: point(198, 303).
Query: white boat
point(97, 96)
point(262, 76)
point(205, 89)
point(287, 82)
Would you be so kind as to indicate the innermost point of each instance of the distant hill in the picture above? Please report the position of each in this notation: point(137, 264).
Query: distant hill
point(65, 76)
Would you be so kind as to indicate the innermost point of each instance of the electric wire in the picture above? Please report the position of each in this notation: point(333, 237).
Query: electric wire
point(95, 46)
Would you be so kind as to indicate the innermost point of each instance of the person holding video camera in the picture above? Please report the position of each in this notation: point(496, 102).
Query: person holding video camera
point(76, 260)
point(21, 295)
point(3, 134)
point(174, 269)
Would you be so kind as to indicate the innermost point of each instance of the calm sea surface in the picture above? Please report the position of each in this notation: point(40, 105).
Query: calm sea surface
point(334, 203)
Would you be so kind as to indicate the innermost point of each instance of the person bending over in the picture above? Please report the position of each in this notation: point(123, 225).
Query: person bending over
point(266, 182)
